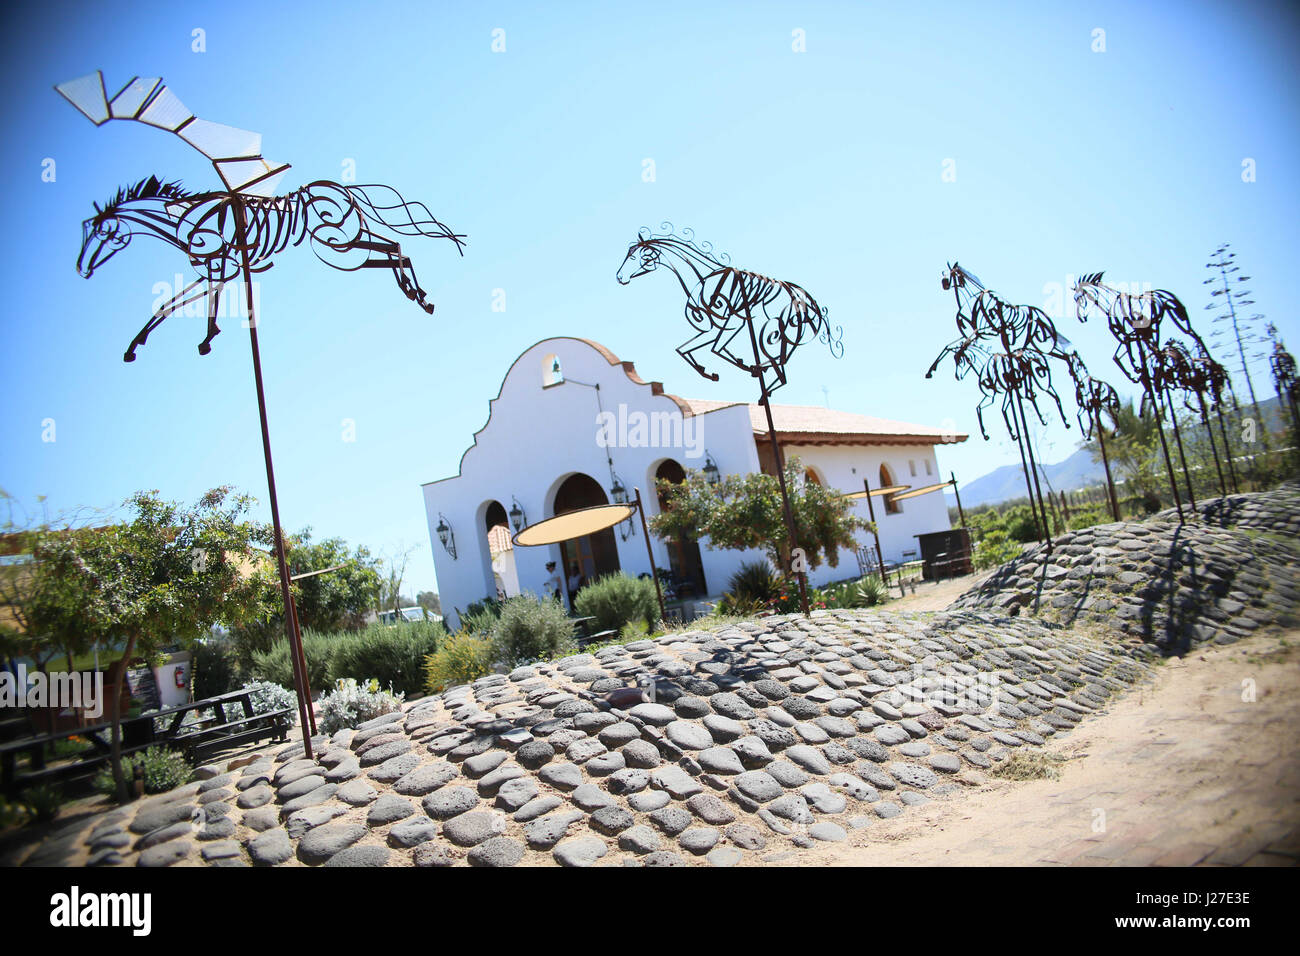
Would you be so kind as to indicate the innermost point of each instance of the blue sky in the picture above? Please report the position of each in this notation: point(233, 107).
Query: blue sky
point(822, 167)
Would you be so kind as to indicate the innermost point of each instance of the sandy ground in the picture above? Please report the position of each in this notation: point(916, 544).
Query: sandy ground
point(934, 595)
point(1200, 766)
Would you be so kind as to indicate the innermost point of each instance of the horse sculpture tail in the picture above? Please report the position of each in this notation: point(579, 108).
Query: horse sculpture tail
point(387, 206)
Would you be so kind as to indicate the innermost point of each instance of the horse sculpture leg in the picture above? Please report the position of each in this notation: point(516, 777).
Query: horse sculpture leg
point(178, 301)
point(390, 257)
point(688, 348)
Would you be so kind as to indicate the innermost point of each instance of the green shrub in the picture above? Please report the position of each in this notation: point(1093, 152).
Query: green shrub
point(616, 599)
point(266, 698)
point(872, 590)
point(463, 657)
point(162, 769)
point(42, 802)
point(481, 616)
point(995, 548)
point(214, 668)
point(529, 630)
point(11, 814)
point(731, 606)
point(351, 703)
point(392, 654)
point(756, 581)
point(1089, 517)
point(275, 665)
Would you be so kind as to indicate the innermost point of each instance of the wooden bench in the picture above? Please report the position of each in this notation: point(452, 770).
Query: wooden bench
point(139, 733)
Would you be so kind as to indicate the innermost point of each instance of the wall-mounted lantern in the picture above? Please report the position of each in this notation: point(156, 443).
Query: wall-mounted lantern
point(518, 518)
point(711, 473)
point(446, 535)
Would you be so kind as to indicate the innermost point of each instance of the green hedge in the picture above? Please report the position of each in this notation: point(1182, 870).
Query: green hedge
point(392, 654)
point(616, 600)
point(530, 630)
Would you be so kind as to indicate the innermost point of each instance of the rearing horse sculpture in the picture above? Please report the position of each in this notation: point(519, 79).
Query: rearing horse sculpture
point(1135, 320)
point(1009, 348)
point(339, 222)
point(235, 233)
point(240, 229)
point(1091, 397)
point(723, 302)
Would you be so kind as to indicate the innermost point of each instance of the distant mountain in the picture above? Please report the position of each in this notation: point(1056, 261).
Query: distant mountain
point(1002, 484)
point(1077, 471)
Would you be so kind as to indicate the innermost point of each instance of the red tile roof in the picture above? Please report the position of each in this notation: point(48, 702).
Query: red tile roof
point(811, 424)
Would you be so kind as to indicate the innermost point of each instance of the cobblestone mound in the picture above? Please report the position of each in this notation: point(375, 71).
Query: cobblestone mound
point(754, 741)
point(1229, 571)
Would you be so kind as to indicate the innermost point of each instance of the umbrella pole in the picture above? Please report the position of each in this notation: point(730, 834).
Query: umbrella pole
point(295, 648)
point(875, 533)
point(654, 571)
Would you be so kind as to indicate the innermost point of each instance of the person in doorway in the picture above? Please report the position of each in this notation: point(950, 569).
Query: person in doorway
point(554, 587)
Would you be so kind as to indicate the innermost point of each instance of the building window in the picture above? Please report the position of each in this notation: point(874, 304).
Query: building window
point(911, 465)
point(892, 507)
point(927, 467)
point(552, 374)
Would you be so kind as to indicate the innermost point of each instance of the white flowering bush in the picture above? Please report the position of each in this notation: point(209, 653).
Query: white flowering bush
point(267, 697)
point(351, 703)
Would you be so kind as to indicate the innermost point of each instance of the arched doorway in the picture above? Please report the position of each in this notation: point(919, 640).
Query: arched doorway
point(892, 507)
point(683, 554)
point(500, 550)
point(594, 554)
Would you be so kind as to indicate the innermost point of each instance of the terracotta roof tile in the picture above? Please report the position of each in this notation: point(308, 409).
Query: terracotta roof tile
point(812, 420)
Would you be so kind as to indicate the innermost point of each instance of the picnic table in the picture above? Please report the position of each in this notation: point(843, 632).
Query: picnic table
point(198, 739)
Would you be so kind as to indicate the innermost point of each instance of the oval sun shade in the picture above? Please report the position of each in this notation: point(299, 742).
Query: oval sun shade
point(573, 524)
point(923, 491)
point(877, 492)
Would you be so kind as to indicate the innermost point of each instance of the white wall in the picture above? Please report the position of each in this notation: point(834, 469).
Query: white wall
point(537, 436)
point(843, 468)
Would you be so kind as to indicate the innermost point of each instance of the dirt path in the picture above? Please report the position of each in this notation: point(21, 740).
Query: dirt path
point(936, 595)
point(1178, 773)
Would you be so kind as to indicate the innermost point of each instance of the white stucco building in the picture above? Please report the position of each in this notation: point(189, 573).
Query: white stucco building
point(571, 419)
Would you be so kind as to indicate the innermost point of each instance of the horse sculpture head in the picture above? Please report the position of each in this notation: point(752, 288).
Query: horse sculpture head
point(642, 257)
point(107, 233)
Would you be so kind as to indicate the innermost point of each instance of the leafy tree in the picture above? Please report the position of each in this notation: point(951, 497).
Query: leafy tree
point(430, 601)
point(166, 574)
point(37, 608)
point(745, 511)
point(335, 600)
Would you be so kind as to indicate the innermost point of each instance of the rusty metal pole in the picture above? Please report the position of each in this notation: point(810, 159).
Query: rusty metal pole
point(1105, 461)
point(654, 571)
point(302, 662)
point(785, 497)
point(875, 532)
point(960, 514)
point(295, 649)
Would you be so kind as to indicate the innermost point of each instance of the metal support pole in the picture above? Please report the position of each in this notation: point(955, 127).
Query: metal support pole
point(960, 514)
point(654, 571)
point(1182, 455)
point(295, 648)
point(1033, 467)
point(1160, 427)
point(875, 533)
point(785, 498)
point(1227, 448)
point(1105, 461)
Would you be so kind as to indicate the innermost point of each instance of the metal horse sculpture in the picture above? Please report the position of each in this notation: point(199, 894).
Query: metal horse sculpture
point(341, 224)
point(1283, 366)
point(730, 309)
point(1008, 348)
point(1136, 320)
point(235, 233)
point(1092, 396)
